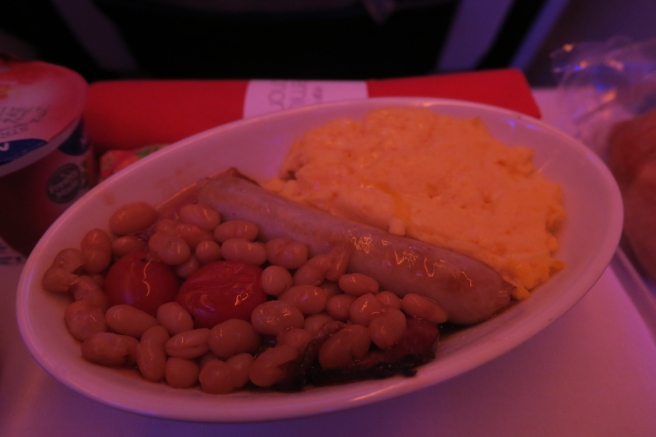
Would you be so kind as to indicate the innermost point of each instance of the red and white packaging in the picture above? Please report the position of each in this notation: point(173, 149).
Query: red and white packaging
point(131, 114)
point(46, 162)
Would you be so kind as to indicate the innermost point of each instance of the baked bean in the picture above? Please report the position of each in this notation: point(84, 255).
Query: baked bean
point(206, 358)
point(98, 278)
point(315, 322)
point(239, 249)
point(69, 260)
point(181, 373)
point(236, 229)
point(127, 244)
point(192, 234)
point(331, 288)
point(357, 284)
point(96, 248)
point(63, 272)
point(309, 274)
point(110, 349)
point(421, 307)
point(128, 320)
point(331, 266)
point(389, 299)
point(387, 328)
point(341, 258)
point(295, 337)
point(364, 308)
point(275, 316)
point(275, 280)
point(241, 363)
point(132, 218)
point(286, 252)
point(334, 262)
point(309, 299)
point(174, 318)
point(58, 280)
point(151, 356)
point(347, 345)
point(203, 216)
point(232, 337)
point(208, 251)
point(165, 226)
point(270, 367)
point(84, 319)
point(217, 377)
point(87, 289)
point(172, 249)
point(188, 267)
point(188, 344)
point(338, 306)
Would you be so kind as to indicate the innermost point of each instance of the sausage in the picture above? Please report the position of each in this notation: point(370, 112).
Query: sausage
point(468, 290)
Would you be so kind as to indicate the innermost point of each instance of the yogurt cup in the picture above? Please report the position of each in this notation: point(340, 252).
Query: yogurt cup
point(46, 162)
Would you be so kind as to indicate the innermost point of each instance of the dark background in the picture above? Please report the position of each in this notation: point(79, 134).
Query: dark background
point(172, 41)
point(165, 39)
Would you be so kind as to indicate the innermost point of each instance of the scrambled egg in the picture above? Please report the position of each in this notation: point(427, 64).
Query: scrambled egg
point(438, 179)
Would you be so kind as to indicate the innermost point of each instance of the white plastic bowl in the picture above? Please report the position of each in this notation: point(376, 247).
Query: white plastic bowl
point(257, 147)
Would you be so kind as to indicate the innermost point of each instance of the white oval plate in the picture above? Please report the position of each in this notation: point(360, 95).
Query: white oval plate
point(257, 147)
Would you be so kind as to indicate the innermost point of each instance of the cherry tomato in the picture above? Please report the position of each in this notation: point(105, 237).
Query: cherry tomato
point(222, 290)
point(140, 279)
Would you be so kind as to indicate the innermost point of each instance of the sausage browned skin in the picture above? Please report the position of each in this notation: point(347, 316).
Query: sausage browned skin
point(468, 290)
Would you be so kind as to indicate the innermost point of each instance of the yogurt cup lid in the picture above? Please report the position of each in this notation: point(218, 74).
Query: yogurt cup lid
point(38, 101)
